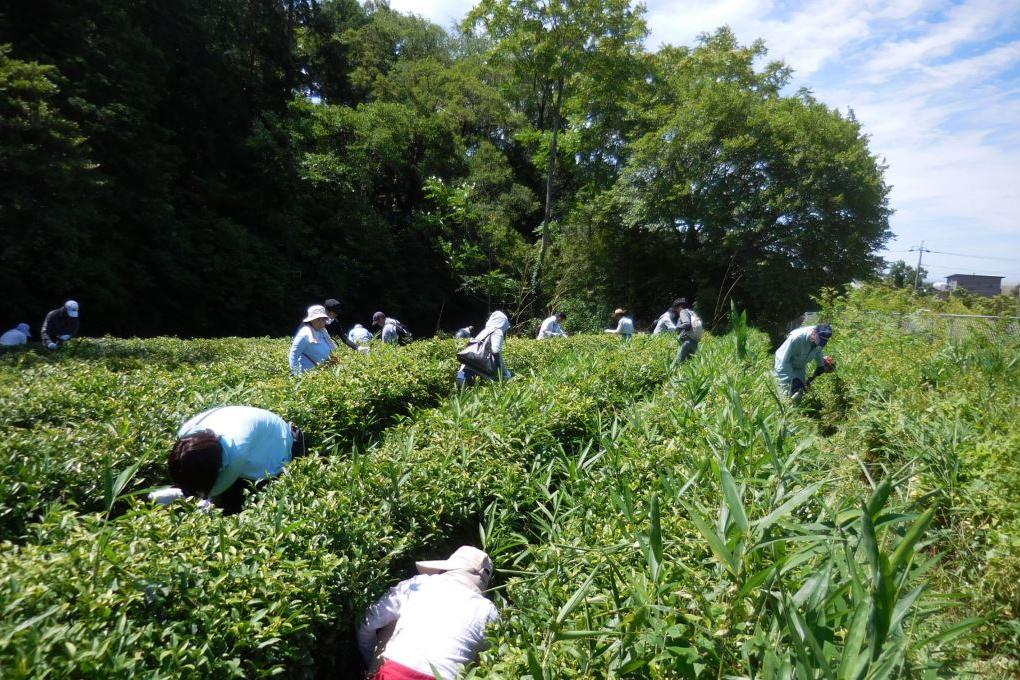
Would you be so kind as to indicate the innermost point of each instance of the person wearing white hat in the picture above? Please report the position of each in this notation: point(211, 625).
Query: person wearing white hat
point(624, 324)
point(312, 345)
point(60, 325)
point(18, 335)
point(439, 619)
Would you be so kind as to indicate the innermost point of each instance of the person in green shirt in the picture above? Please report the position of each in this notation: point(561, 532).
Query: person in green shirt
point(801, 347)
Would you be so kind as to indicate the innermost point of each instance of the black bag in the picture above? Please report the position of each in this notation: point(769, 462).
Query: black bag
point(404, 336)
point(479, 358)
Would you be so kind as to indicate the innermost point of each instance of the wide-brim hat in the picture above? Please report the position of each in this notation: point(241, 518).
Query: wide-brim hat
point(315, 312)
point(23, 327)
point(619, 310)
point(465, 557)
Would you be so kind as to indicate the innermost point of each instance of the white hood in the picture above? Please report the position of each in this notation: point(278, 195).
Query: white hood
point(498, 320)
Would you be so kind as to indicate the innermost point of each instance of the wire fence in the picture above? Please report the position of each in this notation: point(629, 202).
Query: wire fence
point(941, 327)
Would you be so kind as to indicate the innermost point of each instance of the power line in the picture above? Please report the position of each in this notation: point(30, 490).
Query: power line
point(976, 257)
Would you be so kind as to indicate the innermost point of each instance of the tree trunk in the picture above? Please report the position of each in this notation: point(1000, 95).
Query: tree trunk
point(550, 176)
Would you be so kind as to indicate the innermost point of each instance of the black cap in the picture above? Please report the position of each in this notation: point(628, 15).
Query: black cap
point(333, 305)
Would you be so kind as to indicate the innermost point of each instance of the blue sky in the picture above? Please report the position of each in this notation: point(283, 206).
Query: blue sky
point(935, 84)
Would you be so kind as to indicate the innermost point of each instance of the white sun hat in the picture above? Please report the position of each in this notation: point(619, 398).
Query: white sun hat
point(465, 557)
point(315, 312)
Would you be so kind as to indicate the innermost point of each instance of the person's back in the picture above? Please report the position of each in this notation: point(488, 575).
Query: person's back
point(665, 323)
point(359, 334)
point(441, 626)
point(256, 442)
point(439, 619)
point(18, 335)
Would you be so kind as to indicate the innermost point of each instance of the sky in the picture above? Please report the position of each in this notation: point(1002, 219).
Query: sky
point(934, 83)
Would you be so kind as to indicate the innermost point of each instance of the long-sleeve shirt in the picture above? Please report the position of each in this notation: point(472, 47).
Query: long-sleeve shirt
point(624, 327)
point(495, 329)
point(390, 334)
point(12, 338)
point(683, 323)
point(440, 624)
point(665, 324)
point(551, 329)
point(794, 354)
point(59, 323)
point(256, 443)
point(359, 334)
point(309, 349)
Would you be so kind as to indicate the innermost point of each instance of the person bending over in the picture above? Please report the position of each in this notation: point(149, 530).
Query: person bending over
point(222, 452)
point(439, 619)
point(802, 346)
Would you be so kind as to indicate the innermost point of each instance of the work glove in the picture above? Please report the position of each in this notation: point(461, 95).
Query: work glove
point(65, 337)
point(52, 345)
point(829, 363)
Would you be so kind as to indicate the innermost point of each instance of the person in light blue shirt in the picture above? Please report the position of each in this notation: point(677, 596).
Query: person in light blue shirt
point(802, 346)
point(312, 345)
point(221, 452)
point(359, 335)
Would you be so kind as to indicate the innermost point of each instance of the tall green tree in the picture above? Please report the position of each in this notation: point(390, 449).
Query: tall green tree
point(553, 48)
point(45, 178)
point(760, 196)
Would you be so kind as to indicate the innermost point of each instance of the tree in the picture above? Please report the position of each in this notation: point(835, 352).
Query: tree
point(902, 275)
point(760, 196)
point(45, 178)
point(550, 46)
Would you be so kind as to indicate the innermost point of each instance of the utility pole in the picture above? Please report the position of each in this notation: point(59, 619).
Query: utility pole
point(920, 252)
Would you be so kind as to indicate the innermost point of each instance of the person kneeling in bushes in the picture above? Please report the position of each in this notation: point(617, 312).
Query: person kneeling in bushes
point(224, 451)
point(438, 617)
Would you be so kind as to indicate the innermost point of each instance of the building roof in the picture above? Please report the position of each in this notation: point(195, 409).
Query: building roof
point(974, 276)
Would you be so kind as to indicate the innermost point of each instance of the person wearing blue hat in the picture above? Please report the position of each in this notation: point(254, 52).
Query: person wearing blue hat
point(18, 335)
point(801, 347)
point(60, 325)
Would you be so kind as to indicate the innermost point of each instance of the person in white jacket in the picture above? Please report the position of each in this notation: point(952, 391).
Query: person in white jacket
point(551, 327)
point(667, 322)
point(495, 334)
point(624, 324)
point(439, 619)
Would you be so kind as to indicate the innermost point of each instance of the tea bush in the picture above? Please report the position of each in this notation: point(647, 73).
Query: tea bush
point(114, 403)
point(170, 592)
point(645, 521)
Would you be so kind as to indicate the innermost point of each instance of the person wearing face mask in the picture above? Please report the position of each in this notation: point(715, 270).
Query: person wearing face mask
point(802, 346)
point(334, 308)
point(312, 345)
point(438, 619)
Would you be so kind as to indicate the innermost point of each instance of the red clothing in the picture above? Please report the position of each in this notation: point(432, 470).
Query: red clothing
point(391, 670)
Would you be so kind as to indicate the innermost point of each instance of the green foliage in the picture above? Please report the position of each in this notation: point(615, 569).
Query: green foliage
point(899, 274)
point(643, 522)
point(277, 588)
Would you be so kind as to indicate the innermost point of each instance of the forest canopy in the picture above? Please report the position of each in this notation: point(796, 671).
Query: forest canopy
point(212, 167)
